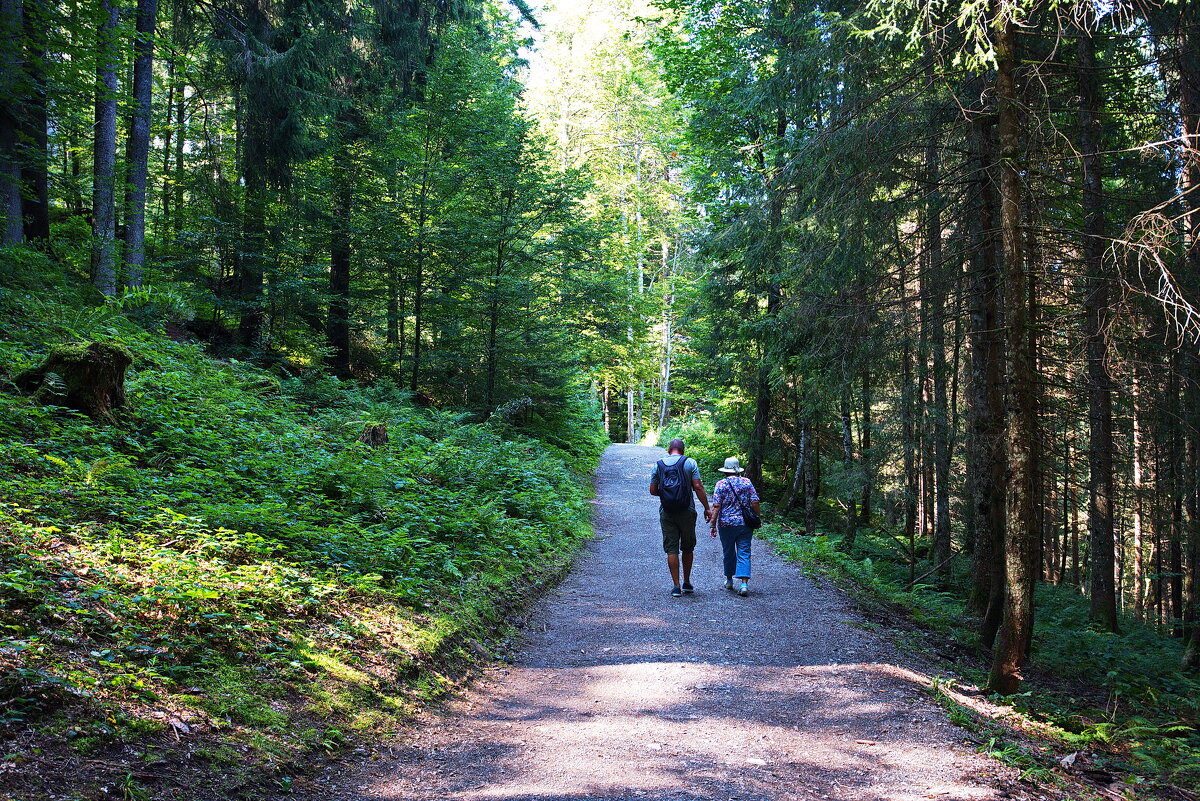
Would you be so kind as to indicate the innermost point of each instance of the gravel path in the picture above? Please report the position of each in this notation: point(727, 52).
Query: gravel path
point(622, 692)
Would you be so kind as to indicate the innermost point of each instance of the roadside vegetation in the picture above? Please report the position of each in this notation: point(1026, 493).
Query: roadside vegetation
point(1121, 702)
point(220, 567)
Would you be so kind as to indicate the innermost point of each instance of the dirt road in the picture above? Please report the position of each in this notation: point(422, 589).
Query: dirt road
point(622, 692)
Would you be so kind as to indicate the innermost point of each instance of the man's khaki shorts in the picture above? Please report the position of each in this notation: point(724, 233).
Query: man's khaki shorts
point(678, 530)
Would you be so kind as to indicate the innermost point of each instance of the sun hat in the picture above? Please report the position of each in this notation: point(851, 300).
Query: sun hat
point(731, 466)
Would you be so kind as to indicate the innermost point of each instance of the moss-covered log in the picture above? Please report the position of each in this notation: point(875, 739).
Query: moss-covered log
point(86, 376)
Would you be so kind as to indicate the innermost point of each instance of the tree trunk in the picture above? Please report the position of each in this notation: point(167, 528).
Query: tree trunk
point(907, 413)
point(34, 125)
point(1191, 657)
point(337, 327)
point(935, 285)
point(374, 435)
point(180, 149)
point(1176, 490)
point(941, 424)
point(138, 146)
point(604, 403)
point(868, 466)
point(1139, 500)
point(848, 467)
point(91, 378)
point(12, 94)
point(256, 144)
point(985, 407)
point(419, 264)
point(393, 308)
point(1189, 112)
point(167, 139)
point(664, 408)
point(249, 278)
point(799, 471)
point(1096, 323)
point(493, 345)
point(104, 152)
point(812, 483)
point(1021, 532)
point(630, 416)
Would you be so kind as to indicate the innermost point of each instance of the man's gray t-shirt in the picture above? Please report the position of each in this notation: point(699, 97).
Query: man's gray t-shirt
point(691, 472)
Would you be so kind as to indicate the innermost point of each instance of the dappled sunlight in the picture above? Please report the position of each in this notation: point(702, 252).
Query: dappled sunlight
point(664, 729)
point(623, 693)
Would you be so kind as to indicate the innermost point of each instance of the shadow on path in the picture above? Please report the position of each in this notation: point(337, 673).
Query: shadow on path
point(623, 692)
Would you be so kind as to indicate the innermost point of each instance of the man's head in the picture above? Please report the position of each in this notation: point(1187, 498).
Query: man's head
point(675, 446)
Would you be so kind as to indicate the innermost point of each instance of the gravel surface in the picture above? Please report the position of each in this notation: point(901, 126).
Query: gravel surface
point(623, 692)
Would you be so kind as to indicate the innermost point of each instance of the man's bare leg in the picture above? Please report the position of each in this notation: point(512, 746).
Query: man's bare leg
point(673, 566)
point(687, 568)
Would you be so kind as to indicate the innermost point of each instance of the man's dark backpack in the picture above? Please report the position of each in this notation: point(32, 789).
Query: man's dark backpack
point(674, 489)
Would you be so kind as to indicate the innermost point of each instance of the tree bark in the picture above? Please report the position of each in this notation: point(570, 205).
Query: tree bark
point(908, 413)
point(864, 440)
point(91, 378)
point(35, 165)
point(11, 96)
point(104, 152)
point(940, 411)
point(180, 148)
point(493, 343)
point(337, 327)
point(138, 146)
point(664, 408)
point(851, 530)
point(419, 261)
point(1140, 519)
point(1021, 532)
point(256, 144)
point(1096, 323)
point(796, 489)
point(1189, 110)
point(985, 408)
point(812, 482)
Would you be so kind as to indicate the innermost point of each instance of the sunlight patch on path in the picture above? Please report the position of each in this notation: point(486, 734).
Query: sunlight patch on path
point(623, 693)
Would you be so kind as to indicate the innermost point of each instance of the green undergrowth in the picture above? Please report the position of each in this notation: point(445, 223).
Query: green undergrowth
point(223, 564)
point(1122, 698)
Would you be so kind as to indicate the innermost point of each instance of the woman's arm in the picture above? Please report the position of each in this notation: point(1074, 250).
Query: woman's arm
point(715, 511)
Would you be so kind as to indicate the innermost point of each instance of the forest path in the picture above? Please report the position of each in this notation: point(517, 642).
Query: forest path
point(622, 692)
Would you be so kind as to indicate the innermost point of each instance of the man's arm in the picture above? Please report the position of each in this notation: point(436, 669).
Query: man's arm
point(653, 487)
point(698, 488)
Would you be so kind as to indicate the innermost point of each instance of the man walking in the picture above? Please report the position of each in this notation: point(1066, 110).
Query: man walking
point(673, 482)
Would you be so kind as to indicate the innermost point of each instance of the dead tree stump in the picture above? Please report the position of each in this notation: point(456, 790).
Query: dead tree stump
point(374, 435)
point(89, 377)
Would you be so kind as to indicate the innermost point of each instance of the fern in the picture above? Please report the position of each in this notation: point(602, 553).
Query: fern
point(87, 474)
point(166, 302)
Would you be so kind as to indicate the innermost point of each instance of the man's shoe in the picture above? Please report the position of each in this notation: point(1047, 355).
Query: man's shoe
point(676, 592)
point(729, 584)
point(688, 588)
point(744, 590)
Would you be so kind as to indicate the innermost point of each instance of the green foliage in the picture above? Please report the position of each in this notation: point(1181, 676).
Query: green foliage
point(1149, 716)
point(708, 445)
point(225, 545)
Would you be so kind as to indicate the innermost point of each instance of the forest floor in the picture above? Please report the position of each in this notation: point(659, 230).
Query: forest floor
point(623, 692)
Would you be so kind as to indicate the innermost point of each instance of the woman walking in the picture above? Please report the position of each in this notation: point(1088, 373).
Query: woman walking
point(732, 496)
